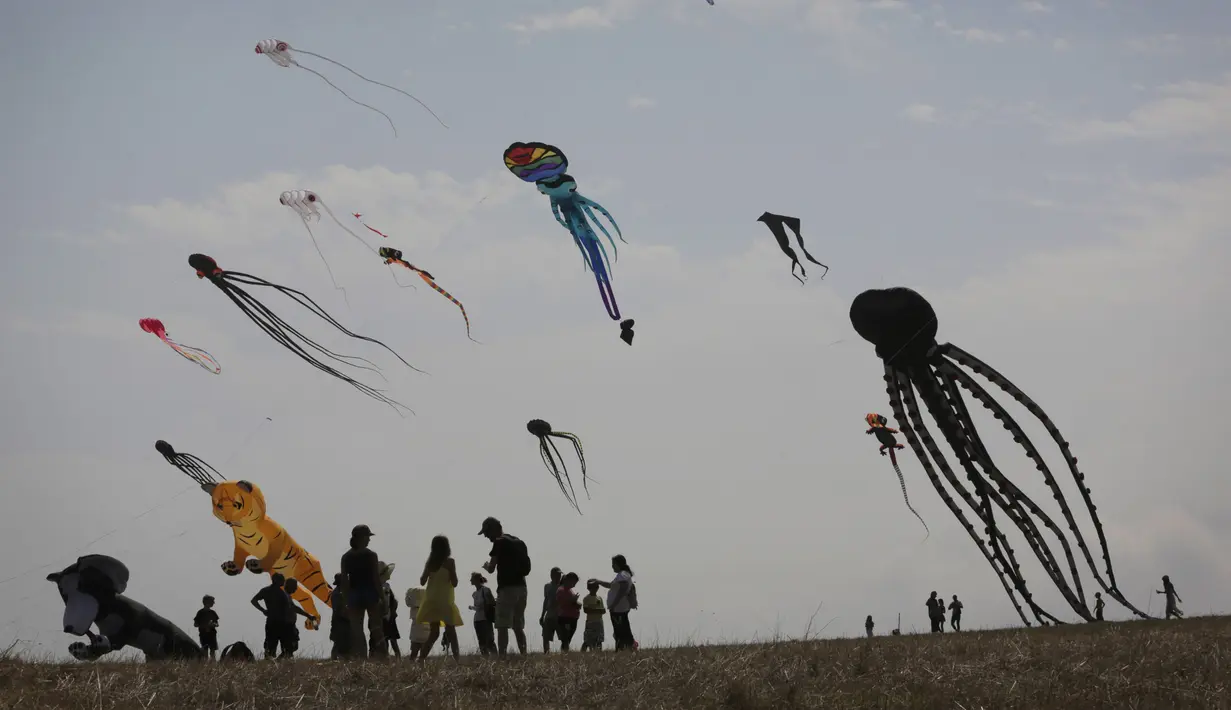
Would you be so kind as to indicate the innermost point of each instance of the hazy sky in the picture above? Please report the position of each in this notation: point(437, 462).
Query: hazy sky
point(1053, 177)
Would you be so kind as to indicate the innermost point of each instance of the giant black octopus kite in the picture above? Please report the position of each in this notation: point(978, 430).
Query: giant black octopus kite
point(902, 326)
point(275, 327)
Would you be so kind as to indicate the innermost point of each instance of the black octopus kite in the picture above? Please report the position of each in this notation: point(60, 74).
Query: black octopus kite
point(902, 326)
point(543, 430)
point(281, 331)
point(776, 222)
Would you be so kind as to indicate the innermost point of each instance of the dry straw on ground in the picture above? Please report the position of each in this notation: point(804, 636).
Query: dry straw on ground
point(1124, 666)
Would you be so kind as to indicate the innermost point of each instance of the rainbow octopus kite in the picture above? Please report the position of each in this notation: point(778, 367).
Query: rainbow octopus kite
point(545, 166)
point(197, 355)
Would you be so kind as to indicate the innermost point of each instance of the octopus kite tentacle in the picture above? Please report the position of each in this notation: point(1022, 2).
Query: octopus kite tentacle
point(282, 332)
point(902, 326)
point(543, 431)
point(193, 467)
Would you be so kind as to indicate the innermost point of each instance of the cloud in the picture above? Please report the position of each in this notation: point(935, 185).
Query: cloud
point(1034, 6)
point(641, 102)
point(973, 35)
point(921, 113)
point(588, 17)
point(1193, 111)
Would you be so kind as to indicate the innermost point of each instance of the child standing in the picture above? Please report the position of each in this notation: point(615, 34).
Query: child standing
point(592, 637)
point(339, 623)
point(568, 610)
point(440, 577)
point(206, 622)
point(484, 608)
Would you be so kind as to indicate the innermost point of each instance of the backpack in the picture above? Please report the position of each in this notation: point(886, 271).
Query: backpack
point(237, 651)
point(525, 554)
point(632, 595)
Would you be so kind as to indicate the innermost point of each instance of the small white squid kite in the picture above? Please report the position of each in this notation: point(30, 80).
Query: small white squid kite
point(279, 53)
point(304, 203)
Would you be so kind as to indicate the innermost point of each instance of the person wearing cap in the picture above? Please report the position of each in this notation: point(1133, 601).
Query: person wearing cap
point(510, 561)
point(206, 622)
point(362, 588)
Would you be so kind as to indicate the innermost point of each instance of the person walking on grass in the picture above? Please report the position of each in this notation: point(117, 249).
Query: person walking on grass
point(1098, 606)
point(361, 585)
point(568, 610)
point(592, 638)
point(484, 608)
point(547, 617)
point(1173, 610)
point(510, 561)
point(955, 614)
point(440, 577)
point(206, 622)
point(868, 626)
point(621, 599)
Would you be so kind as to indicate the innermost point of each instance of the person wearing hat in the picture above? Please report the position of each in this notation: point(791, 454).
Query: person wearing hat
point(206, 622)
point(510, 561)
point(363, 589)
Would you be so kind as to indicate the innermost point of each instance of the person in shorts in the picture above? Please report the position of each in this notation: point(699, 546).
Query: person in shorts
point(510, 561)
point(206, 622)
point(593, 636)
point(547, 617)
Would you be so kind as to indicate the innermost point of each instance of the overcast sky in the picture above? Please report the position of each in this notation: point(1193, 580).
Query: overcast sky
point(1052, 176)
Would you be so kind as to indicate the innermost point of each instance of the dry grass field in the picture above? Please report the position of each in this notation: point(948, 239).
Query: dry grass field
point(1125, 666)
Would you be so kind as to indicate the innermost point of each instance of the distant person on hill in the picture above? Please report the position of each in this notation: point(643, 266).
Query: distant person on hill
point(1098, 606)
point(568, 610)
point(484, 607)
point(440, 576)
point(510, 560)
point(621, 599)
point(206, 622)
point(339, 623)
point(547, 617)
point(940, 612)
point(935, 615)
point(868, 626)
point(1169, 590)
point(362, 586)
point(592, 638)
point(955, 614)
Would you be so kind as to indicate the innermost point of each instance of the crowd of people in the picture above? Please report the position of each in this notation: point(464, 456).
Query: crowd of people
point(364, 598)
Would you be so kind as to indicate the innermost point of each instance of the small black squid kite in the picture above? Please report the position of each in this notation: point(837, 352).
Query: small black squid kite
point(275, 327)
point(889, 445)
point(902, 325)
point(777, 224)
point(543, 430)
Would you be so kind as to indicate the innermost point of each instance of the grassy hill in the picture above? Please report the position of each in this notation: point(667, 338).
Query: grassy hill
point(1183, 664)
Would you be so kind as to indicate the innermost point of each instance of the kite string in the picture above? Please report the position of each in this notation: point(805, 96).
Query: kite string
point(340, 91)
point(372, 81)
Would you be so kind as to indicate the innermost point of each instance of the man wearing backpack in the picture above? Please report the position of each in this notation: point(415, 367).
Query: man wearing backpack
point(510, 561)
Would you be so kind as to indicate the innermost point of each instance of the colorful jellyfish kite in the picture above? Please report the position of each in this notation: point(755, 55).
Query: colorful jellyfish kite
point(304, 203)
point(281, 331)
point(197, 355)
point(777, 224)
point(902, 326)
point(261, 545)
point(546, 166)
point(543, 430)
point(889, 445)
point(279, 53)
point(394, 256)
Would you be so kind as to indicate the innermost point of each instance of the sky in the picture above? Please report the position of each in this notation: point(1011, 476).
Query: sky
point(1051, 176)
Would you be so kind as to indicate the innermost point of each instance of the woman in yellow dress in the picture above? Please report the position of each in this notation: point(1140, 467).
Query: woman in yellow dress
point(440, 577)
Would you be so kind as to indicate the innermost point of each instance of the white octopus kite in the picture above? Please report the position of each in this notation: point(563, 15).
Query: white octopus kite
point(279, 53)
point(304, 203)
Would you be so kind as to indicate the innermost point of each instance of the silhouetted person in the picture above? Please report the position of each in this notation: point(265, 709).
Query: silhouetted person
point(955, 614)
point(206, 622)
point(547, 617)
point(510, 561)
point(935, 615)
point(277, 606)
point(339, 622)
point(868, 625)
point(1172, 598)
point(484, 608)
point(1098, 606)
point(362, 587)
point(290, 629)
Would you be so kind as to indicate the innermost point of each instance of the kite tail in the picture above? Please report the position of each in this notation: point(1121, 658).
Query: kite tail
point(352, 99)
point(370, 229)
point(449, 296)
point(321, 254)
point(804, 249)
point(902, 480)
point(371, 81)
point(197, 355)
